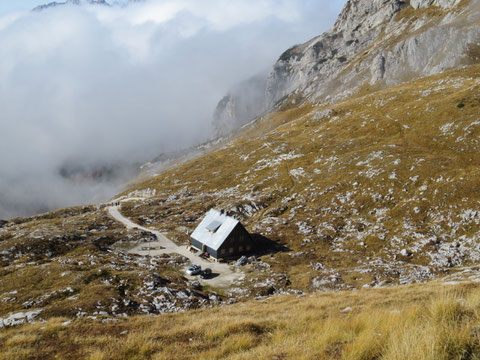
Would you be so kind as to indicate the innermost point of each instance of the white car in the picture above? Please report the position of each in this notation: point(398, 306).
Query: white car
point(194, 270)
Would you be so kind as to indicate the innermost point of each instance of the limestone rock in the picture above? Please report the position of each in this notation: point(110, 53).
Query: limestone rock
point(426, 3)
point(377, 69)
point(373, 42)
point(241, 105)
point(405, 252)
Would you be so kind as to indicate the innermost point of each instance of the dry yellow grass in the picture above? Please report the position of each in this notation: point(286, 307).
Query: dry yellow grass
point(385, 170)
point(427, 129)
point(430, 321)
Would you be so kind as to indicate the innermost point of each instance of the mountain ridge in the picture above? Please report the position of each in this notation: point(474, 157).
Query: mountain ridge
point(373, 43)
point(366, 193)
point(69, 2)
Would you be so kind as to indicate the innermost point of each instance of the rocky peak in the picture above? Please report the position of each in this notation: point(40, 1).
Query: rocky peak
point(359, 16)
point(376, 42)
point(70, 2)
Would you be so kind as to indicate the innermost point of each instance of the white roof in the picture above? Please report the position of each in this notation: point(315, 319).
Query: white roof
point(214, 229)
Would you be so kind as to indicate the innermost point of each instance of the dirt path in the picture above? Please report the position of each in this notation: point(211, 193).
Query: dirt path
point(224, 275)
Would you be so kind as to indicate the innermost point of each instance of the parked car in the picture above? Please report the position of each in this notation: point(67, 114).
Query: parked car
point(194, 270)
point(242, 261)
point(205, 274)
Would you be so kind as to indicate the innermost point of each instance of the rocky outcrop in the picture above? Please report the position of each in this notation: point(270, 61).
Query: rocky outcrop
point(375, 43)
point(426, 3)
point(381, 42)
point(241, 105)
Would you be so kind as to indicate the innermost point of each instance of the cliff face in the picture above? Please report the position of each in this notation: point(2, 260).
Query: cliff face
point(241, 105)
point(377, 43)
point(373, 42)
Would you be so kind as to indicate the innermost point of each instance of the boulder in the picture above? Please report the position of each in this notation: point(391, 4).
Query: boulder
point(405, 253)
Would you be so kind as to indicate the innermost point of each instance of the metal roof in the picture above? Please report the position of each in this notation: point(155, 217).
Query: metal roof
point(214, 238)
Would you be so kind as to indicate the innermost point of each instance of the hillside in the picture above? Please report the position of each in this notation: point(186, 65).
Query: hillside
point(379, 189)
point(371, 203)
point(418, 322)
point(74, 263)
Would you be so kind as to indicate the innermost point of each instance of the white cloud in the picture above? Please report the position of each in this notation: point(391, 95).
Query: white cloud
point(98, 85)
point(218, 14)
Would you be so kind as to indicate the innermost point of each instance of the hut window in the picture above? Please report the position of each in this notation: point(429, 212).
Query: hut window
point(213, 226)
point(240, 248)
point(249, 248)
point(222, 251)
point(231, 250)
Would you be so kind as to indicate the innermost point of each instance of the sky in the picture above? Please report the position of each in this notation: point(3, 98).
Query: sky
point(7, 6)
point(89, 86)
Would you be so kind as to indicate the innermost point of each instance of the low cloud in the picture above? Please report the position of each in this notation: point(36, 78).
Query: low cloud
point(97, 86)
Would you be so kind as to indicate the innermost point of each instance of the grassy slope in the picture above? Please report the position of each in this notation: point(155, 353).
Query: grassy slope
point(427, 322)
point(393, 169)
point(346, 190)
point(62, 263)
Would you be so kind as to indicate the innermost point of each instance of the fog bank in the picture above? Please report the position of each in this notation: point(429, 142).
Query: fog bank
point(96, 85)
